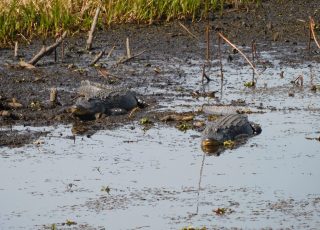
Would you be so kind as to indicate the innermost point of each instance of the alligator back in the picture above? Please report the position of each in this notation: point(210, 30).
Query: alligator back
point(228, 127)
point(97, 98)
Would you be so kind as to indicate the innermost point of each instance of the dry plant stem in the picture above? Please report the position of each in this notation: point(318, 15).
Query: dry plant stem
point(208, 43)
point(62, 51)
point(97, 58)
point(220, 59)
point(110, 52)
point(53, 95)
point(310, 38)
point(253, 57)
point(245, 57)
point(16, 47)
point(128, 48)
point(55, 55)
point(128, 59)
point(188, 31)
point(204, 75)
point(312, 25)
point(47, 50)
point(93, 26)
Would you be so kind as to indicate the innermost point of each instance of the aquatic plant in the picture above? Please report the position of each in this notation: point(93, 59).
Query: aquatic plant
point(27, 18)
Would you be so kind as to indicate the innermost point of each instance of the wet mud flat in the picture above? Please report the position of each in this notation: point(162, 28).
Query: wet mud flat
point(145, 172)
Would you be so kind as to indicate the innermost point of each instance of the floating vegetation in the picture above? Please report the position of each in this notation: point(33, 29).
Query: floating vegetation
point(194, 228)
point(29, 18)
point(105, 189)
point(315, 88)
point(249, 84)
point(145, 121)
point(228, 144)
point(222, 211)
point(184, 127)
point(70, 222)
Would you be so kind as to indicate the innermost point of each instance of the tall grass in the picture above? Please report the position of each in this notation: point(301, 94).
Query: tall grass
point(27, 18)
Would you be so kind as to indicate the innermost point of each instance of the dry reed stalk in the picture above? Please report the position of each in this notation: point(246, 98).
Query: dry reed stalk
point(16, 47)
point(208, 43)
point(253, 52)
point(312, 25)
point(128, 59)
point(53, 95)
point(245, 57)
point(204, 75)
point(220, 59)
point(62, 50)
point(188, 31)
point(128, 48)
point(93, 26)
point(110, 52)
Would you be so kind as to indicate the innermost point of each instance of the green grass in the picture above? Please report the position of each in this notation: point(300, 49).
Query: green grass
point(28, 18)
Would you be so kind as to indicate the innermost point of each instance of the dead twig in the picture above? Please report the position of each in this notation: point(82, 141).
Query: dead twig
point(245, 57)
point(128, 48)
point(254, 54)
point(16, 47)
point(220, 59)
point(204, 75)
point(188, 31)
point(128, 59)
point(47, 50)
point(93, 26)
point(298, 81)
point(97, 58)
point(208, 43)
point(312, 25)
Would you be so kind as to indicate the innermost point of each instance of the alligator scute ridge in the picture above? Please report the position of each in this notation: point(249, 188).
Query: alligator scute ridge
point(100, 99)
point(229, 127)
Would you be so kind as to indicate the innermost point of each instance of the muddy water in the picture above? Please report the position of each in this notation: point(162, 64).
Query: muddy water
point(160, 178)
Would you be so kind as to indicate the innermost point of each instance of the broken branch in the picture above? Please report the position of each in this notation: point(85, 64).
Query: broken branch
point(188, 31)
point(245, 57)
point(128, 59)
point(97, 58)
point(93, 26)
point(312, 25)
point(47, 50)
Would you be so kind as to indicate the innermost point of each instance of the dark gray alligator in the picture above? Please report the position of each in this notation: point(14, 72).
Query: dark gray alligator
point(97, 99)
point(230, 127)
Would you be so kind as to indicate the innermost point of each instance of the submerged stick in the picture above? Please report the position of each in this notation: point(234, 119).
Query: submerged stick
point(93, 26)
point(245, 57)
point(312, 25)
point(188, 31)
point(47, 50)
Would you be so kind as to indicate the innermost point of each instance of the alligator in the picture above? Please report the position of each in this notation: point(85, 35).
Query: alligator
point(96, 99)
point(231, 127)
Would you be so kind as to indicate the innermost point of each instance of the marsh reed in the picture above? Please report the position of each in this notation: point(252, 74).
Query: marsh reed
point(29, 18)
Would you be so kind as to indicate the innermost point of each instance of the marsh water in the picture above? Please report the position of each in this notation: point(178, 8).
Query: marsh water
point(159, 178)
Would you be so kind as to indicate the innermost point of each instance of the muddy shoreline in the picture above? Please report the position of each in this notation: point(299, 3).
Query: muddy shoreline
point(272, 24)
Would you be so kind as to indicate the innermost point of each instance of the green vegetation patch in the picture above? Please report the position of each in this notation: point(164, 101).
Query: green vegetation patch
point(27, 18)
